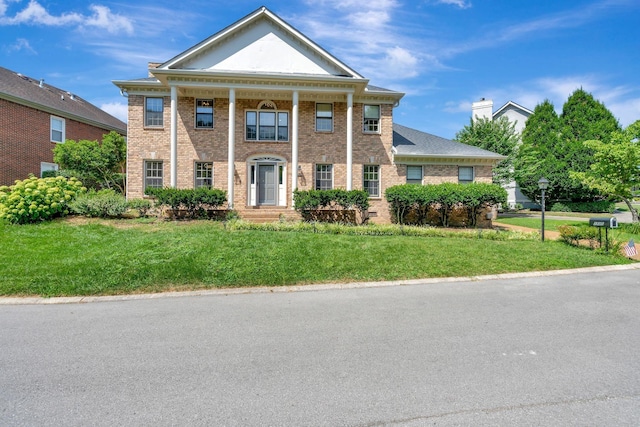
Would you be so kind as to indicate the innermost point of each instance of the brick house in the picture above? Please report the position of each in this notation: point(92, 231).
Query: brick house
point(285, 114)
point(34, 116)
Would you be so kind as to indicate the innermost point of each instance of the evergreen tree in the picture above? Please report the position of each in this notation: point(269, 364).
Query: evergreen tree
point(553, 146)
point(536, 156)
point(498, 136)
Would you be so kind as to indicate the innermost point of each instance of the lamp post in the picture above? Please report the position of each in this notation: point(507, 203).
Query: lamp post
point(543, 184)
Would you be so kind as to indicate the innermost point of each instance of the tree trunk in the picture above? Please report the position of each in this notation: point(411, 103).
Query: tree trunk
point(634, 211)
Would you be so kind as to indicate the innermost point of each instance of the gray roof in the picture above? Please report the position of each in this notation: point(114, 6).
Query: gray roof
point(24, 90)
point(414, 143)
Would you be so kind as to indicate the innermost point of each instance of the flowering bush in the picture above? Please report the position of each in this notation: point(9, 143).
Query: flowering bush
point(38, 199)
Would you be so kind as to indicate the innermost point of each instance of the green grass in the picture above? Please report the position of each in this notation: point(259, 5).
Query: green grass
point(552, 225)
point(119, 257)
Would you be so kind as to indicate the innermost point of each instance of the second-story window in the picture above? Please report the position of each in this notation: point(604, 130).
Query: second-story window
point(153, 110)
point(371, 120)
point(324, 117)
point(267, 125)
point(204, 113)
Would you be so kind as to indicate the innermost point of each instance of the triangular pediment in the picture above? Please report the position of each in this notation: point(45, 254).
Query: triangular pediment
point(260, 43)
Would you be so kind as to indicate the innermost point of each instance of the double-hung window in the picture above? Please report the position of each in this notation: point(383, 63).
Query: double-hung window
point(57, 129)
point(324, 177)
point(324, 117)
point(153, 174)
point(204, 113)
point(465, 174)
point(371, 122)
point(203, 174)
point(267, 125)
point(414, 174)
point(372, 180)
point(153, 112)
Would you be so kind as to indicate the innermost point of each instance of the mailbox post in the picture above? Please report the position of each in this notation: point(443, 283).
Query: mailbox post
point(605, 223)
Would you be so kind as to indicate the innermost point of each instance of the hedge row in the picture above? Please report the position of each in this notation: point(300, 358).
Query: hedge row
point(331, 205)
point(602, 206)
point(194, 202)
point(412, 204)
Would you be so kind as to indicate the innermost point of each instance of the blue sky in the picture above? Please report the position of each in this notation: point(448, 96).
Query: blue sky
point(444, 54)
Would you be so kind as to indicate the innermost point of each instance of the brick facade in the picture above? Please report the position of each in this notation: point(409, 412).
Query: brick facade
point(25, 139)
point(211, 145)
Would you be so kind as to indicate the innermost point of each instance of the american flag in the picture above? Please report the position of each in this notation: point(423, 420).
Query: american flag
point(630, 249)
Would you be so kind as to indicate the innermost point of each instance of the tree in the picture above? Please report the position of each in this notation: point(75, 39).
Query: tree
point(616, 168)
point(536, 157)
point(498, 136)
point(100, 165)
point(583, 119)
point(553, 145)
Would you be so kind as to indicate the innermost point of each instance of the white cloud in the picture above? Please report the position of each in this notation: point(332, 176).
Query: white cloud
point(116, 109)
point(622, 101)
point(462, 4)
point(402, 63)
point(21, 45)
point(36, 14)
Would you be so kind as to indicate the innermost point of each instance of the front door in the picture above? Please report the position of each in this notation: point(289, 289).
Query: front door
point(267, 188)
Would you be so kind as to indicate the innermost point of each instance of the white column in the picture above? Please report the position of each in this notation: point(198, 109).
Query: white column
point(174, 137)
point(349, 141)
point(294, 145)
point(232, 139)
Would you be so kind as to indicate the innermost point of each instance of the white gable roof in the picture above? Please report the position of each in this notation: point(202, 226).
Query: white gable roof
point(260, 43)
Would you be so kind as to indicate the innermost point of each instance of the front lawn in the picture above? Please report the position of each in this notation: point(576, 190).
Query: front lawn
point(99, 257)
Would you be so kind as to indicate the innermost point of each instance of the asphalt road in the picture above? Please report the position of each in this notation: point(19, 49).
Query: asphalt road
point(557, 350)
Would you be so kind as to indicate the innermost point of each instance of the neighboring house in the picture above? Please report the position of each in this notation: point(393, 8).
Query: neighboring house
point(258, 110)
point(518, 115)
point(34, 116)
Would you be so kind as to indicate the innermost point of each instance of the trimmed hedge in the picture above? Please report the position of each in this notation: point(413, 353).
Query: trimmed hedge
point(101, 204)
point(601, 206)
point(331, 205)
point(38, 199)
point(416, 204)
point(195, 202)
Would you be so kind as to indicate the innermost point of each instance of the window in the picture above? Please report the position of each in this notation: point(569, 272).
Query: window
point(152, 174)
point(204, 113)
point(371, 119)
point(57, 129)
point(465, 174)
point(372, 180)
point(203, 174)
point(267, 126)
point(153, 110)
point(324, 117)
point(324, 177)
point(47, 167)
point(414, 174)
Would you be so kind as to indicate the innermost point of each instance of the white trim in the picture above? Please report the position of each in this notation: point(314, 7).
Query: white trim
point(349, 142)
point(231, 147)
point(294, 144)
point(174, 137)
point(53, 119)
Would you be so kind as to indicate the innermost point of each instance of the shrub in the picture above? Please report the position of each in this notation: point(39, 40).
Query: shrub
point(38, 199)
point(632, 228)
point(599, 206)
point(331, 205)
point(195, 202)
point(573, 234)
point(560, 207)
point(414, 204)
point(140, 205)
point(102, 204)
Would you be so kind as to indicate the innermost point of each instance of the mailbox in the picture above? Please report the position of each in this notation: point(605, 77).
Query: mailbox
point(604, 222)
